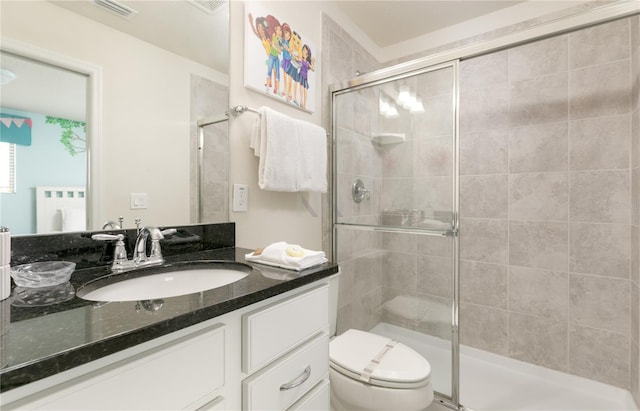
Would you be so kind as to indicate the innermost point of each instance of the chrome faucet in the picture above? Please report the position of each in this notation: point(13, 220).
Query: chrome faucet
point(140, 257)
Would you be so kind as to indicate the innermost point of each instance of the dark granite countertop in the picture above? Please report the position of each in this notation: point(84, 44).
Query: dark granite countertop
point(40, 341)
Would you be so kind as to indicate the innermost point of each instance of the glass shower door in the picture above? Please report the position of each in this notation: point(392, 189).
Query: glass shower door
point(395, 213)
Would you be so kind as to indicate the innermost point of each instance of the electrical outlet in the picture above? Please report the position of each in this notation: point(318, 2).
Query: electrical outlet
point(240, 198)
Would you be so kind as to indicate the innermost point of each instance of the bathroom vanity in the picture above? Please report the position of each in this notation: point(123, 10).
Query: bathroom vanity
point(258, 343)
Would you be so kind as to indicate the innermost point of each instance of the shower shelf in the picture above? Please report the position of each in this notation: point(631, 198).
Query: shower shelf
point(388, 138)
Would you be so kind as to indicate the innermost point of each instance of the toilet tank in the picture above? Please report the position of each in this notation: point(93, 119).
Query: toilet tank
point(334, 286)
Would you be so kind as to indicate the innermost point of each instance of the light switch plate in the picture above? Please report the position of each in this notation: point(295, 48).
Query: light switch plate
point(240, 198)
point(138, 201)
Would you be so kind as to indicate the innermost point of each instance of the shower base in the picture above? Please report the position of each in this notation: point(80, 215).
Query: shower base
point(490, 382)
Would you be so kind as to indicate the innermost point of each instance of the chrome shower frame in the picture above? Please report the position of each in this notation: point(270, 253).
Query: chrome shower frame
point(381, 77)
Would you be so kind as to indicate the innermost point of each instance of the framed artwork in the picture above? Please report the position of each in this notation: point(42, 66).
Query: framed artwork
point(279, 60)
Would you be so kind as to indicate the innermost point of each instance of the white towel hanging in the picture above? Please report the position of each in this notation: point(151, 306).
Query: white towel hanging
point(293, 153)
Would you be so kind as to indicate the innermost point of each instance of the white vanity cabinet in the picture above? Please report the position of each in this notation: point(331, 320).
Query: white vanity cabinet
point(271, 355)
point(285, 352)
point(183, 373)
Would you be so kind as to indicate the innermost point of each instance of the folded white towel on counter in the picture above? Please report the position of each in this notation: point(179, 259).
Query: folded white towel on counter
point(289, 256)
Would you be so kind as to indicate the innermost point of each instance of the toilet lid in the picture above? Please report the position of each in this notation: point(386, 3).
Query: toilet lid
point(352, 353)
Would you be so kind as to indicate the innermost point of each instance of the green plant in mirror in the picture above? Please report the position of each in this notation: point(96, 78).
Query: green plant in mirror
point(72, 141)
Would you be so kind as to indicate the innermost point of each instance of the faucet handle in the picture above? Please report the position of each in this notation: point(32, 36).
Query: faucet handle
point(120, 252)
point(107, 237)
point(156, 236)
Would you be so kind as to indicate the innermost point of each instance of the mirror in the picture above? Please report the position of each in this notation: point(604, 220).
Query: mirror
point(149, 79)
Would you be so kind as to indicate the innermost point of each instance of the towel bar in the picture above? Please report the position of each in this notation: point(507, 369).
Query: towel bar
point(237, 110)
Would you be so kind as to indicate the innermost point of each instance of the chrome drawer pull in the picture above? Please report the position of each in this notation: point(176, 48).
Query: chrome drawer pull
point(298, 381)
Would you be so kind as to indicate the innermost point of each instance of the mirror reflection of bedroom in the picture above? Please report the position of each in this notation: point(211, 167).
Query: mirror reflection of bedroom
point(42, 147)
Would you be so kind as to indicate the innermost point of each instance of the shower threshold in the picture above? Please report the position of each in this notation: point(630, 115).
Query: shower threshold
point(491, 382)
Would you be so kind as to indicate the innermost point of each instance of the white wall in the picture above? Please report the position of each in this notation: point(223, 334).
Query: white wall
point(272, 216)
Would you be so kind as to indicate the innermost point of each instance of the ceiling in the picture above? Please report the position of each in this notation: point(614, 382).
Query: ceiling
point(390, 22)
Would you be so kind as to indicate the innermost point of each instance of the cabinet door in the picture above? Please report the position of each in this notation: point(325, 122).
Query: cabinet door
point(177, 375)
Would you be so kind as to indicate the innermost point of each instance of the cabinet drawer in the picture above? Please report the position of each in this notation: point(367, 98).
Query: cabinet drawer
point(276, 329)
point(283, 383)
point(318, 399)
point(174, 376)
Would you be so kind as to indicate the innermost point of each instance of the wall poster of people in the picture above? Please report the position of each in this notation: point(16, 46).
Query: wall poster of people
point(280, 61)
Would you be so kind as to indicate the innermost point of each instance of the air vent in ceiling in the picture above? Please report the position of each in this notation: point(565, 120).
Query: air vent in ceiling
point(117, 8)
point(208, 6)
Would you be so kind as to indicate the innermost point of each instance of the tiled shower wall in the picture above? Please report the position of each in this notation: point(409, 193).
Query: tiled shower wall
point(549, 211)
point(545, 190)
point(635, 206)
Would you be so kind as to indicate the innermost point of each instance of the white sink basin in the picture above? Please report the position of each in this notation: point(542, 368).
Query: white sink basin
point(179, 280)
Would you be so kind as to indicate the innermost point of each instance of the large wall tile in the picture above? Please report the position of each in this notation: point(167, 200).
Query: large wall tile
point(397, 160)
point(600, 90)
point(397, 194)
point(635, 372)
point(600, 302)
point(399, 271)
point(539, 293)
point(599, 44)
point(434, 245)
point(599, 355)
point(432, 194)
point(474, 115)
point(435, 276)
point(539, 245)
point(433, 156)
point(400, 308)
point(484, 71)
point(483, 284)
point(436, 83)
point(635, 254)
point(484, 240)
point(540, 147)
point(341, 66)
point(484, 328)
point(435, 316)
point(484, 152)
point(400, 242)
point(436, 120)
point(539, 100)
point(602, 249)
point(540, 58)
point(538, 340)
point(484, 196)
point(599, 196)
point(539, 196)
point(635, 137)
point(600, 143)
point(635, 313)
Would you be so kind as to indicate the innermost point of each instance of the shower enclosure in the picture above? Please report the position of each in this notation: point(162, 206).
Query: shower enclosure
point(396, 210)
point(486, 198)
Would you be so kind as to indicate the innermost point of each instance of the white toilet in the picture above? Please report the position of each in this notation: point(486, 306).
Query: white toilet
point(374, 373)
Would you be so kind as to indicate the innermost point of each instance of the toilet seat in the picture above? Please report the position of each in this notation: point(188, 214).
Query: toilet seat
point(351, 354)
